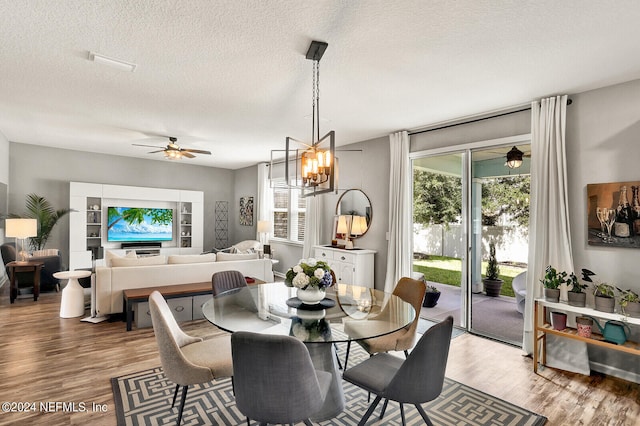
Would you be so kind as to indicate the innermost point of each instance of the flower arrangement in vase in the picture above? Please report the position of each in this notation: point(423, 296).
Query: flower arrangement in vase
point(311, 277)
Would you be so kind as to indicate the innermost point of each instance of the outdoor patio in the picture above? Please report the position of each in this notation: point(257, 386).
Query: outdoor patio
point(494, 317)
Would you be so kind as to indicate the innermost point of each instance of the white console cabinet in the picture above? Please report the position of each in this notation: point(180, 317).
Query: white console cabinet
point(88, 220)
point(350, 266)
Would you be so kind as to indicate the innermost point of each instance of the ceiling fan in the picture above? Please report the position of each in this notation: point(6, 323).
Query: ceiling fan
point(173, 151)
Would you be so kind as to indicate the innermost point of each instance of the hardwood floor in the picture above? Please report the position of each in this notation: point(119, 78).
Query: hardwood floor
point(44, 358)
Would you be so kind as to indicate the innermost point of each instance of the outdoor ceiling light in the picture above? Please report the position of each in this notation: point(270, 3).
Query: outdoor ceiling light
point(514, 158)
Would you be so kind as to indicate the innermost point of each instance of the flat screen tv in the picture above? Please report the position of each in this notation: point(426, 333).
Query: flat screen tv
point(133, 224)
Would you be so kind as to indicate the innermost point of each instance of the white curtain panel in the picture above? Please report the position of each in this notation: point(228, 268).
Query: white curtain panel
point(399, 250)
point(550, 237)
point(265, 196)
point(312, 225)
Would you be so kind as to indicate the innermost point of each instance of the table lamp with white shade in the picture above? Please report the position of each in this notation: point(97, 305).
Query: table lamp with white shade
point(21, 229)
point(343, 228)
point(358, 225)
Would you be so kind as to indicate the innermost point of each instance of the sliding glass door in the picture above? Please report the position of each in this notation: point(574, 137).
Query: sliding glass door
point(464, 202)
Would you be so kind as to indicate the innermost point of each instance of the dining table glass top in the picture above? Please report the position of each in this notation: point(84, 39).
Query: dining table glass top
point(348, 312)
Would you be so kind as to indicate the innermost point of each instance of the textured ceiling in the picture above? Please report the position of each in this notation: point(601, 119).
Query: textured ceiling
point(231, 76)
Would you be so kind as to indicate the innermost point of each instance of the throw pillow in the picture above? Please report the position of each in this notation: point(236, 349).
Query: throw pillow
point(221, 257)
point(140, 261)
point(110, 255)
point(192, 258)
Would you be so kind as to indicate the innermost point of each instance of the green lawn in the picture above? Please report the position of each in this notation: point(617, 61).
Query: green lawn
point(446, 270)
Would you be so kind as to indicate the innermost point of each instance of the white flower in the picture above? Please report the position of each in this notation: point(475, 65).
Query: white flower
point(300, 280)
point(297, 269)
point(311, 261)
point(319, 273)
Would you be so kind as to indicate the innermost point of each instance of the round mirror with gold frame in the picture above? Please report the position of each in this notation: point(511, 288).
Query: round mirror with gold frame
point(356, 208)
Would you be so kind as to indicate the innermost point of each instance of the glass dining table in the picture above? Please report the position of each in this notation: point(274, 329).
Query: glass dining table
point(347, 313)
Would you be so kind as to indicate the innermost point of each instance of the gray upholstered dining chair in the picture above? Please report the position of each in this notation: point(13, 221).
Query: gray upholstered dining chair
point(274, 378)
point(227, 280)
point(416, 380)
point(187, 360)
point(411, 291)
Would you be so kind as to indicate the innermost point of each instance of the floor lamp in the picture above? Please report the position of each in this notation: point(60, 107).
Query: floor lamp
point(21, 229)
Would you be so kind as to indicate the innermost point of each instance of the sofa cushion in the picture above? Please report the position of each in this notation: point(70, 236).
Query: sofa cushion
point(222, 257)
point(109, 256)
point(191, 258)
point(140, 261)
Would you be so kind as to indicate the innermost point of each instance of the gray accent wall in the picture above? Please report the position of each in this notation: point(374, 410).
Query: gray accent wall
point(48, 171)
point(246, 185)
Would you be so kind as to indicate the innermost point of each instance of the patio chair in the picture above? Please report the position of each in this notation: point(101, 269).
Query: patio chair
point(519, 285)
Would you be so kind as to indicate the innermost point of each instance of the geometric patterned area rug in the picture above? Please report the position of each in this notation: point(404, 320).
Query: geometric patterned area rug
point(144, 398)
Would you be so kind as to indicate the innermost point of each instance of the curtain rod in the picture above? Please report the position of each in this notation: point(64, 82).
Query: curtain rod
point(446, 126)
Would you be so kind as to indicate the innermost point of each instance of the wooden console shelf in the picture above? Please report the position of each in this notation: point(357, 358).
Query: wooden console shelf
point(542, 328)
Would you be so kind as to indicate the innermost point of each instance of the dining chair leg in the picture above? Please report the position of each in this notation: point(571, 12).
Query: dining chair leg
point(307, 422)
point(346, 357)
point(369, 411)
point(182, 400)
point(175, 394)
point(248, 422)
point(402, 414)
point(406, 353)
point(384, 408)
point(335, 346)
point(426, 418)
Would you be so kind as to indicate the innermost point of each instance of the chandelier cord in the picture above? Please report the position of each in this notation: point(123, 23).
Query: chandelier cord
point(315, 126)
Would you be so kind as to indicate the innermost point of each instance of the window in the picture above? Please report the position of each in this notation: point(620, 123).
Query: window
point(289, 210)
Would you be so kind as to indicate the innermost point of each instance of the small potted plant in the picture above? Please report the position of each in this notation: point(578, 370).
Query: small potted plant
point(431, 297)
point(576, 295)
point(604, 297)
point(492, 282)
point(630, 303)
point(551, 282)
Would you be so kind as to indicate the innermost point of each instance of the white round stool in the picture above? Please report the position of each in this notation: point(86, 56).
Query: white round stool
point(72, 304)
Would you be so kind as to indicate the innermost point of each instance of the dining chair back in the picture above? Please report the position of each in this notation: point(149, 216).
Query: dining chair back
point(274, 378)
point(411, 291)
point(416, 380)
point(227, 280)
point(187, 360)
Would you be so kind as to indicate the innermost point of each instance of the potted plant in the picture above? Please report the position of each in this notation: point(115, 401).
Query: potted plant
point(551, 282)
point(41, 209)
point(492, 282)
point(576, 295)
point(604, 297)
point(630, 302)
point(431, 297)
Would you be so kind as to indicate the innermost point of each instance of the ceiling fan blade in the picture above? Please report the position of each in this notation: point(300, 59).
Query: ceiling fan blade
point(148, 146)
point(155, 152)
point(196, 151)
point(187, 154)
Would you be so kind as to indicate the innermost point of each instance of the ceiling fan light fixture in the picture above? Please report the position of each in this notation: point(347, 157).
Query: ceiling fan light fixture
point(514, 158)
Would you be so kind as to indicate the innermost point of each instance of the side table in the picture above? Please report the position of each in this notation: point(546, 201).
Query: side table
point(16, 267)
point(72, 304)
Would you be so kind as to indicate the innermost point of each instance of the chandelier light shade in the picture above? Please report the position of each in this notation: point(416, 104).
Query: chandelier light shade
point(21, 229)
point(514, 158)
point(311, 166)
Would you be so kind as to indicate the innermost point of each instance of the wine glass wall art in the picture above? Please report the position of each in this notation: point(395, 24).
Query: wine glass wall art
point(613, 214)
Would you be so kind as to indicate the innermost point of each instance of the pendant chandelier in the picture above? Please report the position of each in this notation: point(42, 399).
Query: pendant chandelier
point(311, 166)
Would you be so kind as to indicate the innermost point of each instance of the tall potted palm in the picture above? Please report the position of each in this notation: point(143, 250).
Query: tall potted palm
point(38, 207)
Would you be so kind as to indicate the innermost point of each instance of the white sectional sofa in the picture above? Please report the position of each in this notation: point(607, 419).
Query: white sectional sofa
point(156, 271)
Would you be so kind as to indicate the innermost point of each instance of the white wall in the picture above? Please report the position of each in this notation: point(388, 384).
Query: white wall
point(603, 145)
point(4, 180)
